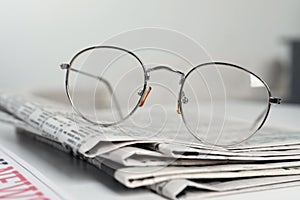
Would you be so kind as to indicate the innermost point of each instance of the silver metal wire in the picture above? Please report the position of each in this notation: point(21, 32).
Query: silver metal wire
point(181, 97)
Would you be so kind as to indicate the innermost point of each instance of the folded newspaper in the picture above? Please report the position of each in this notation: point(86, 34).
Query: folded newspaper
point(174, 167)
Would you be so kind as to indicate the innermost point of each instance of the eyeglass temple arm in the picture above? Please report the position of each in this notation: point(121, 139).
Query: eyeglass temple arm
point(106, 82)
point(272, 100)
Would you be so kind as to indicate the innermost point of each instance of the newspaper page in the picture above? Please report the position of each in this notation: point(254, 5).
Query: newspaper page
point(137, 162)
point(185, 189)
point(136, 176)
point(141, 176)
point(18, 180)
point(55, 124)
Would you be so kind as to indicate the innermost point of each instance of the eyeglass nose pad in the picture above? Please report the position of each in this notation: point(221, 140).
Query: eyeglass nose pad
point(178, 109)
point(184, 100)
point(145, 96)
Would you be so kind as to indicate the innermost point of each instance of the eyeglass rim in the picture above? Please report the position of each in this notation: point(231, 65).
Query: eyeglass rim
point(67, 88)
point(233, 66)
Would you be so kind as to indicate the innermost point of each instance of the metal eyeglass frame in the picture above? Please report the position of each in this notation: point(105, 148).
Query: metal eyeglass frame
point(145, 91)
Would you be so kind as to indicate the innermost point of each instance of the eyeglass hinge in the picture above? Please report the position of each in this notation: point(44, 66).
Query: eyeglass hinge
point(64, 66)
point(275, 100)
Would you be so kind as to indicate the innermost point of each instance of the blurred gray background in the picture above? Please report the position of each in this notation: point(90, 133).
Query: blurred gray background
point(36, 36)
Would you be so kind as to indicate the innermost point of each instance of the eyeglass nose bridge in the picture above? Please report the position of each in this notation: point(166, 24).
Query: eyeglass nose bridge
point(182, 98)
point(163, 67)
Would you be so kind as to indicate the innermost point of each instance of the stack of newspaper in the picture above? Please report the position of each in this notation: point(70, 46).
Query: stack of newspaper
point(176, 169)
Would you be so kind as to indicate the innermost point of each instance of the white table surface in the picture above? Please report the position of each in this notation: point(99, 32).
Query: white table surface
point(82, 181)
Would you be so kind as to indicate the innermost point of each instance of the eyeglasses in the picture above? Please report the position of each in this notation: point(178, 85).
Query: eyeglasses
point(220, 103)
